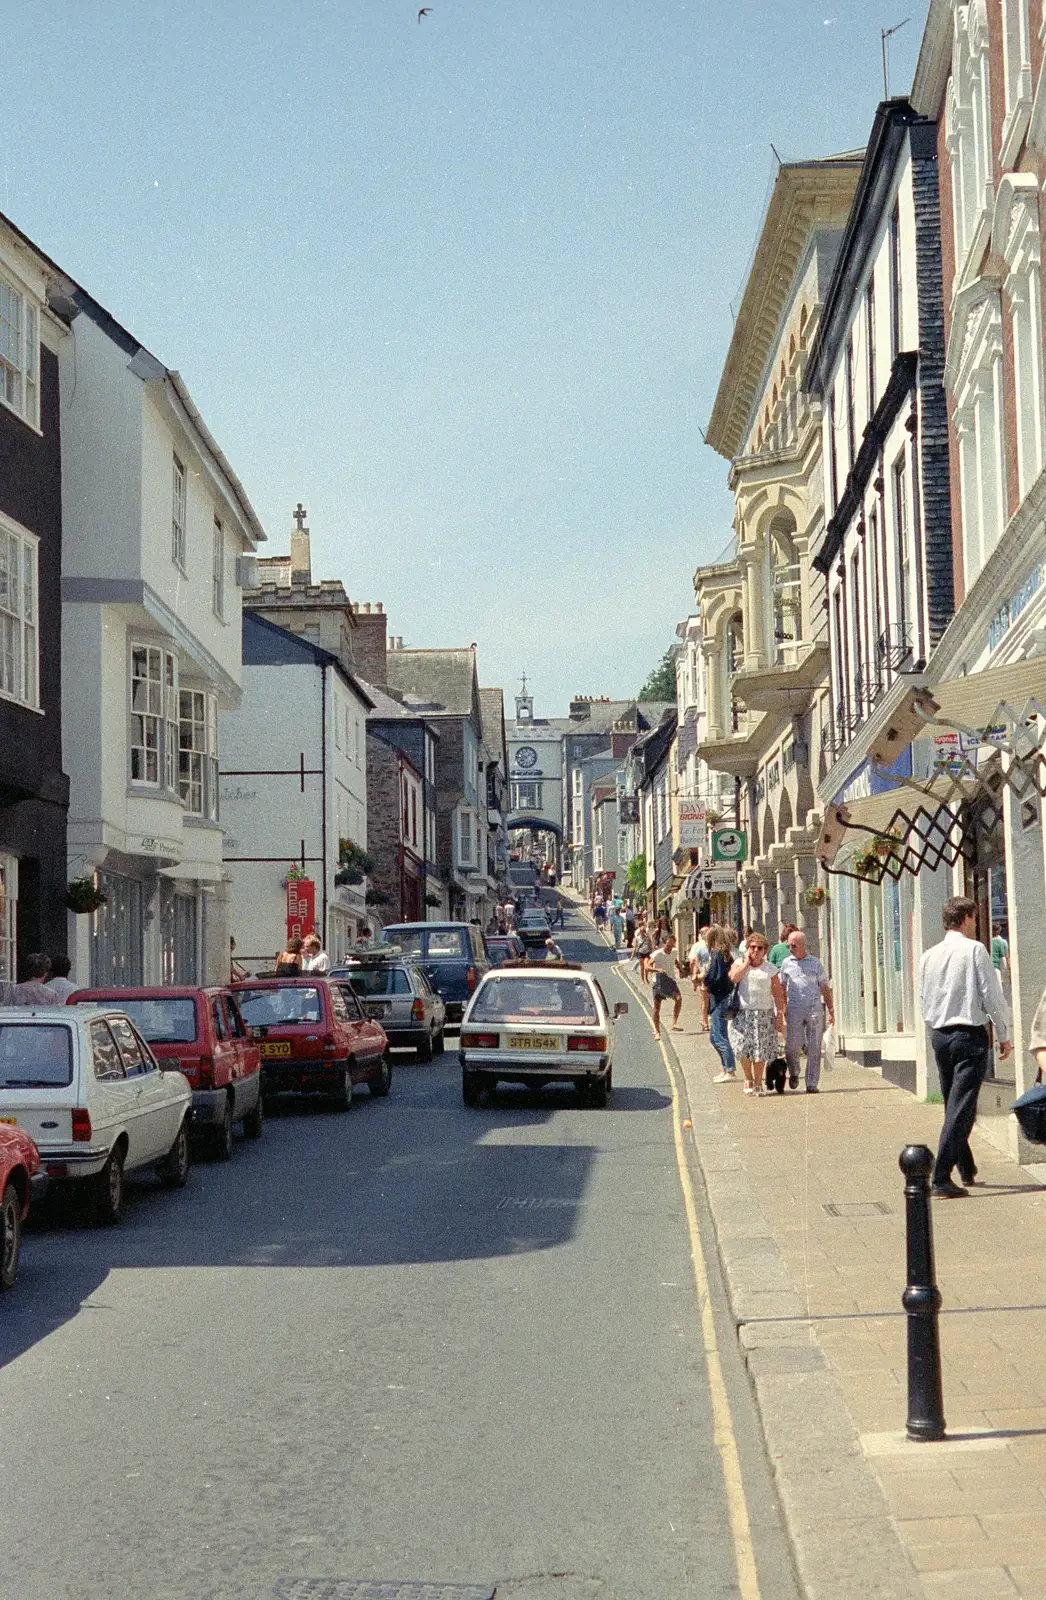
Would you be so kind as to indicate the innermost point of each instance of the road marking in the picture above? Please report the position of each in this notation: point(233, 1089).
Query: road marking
point(722, 1421)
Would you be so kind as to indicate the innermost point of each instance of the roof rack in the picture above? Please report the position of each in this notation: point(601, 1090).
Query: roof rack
point(370, 955)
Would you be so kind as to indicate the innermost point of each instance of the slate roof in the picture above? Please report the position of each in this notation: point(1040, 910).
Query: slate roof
point(492, 716)
point(438, 680)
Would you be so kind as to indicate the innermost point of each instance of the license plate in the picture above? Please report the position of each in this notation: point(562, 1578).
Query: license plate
point(275, 1049)
point(12, 1122)
point(532, 1041)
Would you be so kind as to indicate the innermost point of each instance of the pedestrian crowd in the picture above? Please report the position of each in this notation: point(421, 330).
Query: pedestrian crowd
point(46, 983)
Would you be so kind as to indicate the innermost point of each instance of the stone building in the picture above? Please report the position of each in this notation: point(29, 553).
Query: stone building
point(761, 606)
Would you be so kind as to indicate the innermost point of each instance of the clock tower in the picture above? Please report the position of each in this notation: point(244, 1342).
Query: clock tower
point(524, 704)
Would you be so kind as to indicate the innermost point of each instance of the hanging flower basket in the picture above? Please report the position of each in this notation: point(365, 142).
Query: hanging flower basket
point(815, 895)
point(377, 897)
point(433, 900)
point(345, 875)
point(84, 896)
point(713, 818)
point(294, 875)
point(351, 858)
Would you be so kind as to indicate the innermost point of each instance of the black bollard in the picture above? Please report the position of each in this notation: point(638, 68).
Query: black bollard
point(921, 1300)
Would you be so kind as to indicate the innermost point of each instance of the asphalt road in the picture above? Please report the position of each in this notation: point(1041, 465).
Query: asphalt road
point(415, 1341)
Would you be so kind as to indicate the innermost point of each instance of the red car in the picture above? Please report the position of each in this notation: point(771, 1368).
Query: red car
point(314, 1035)
point(203, 1035)
point(19, 1171)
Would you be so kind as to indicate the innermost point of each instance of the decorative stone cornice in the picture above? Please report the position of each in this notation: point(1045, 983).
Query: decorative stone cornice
point(807, 196)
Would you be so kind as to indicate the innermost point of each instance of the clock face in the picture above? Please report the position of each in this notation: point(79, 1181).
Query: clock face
point(526, 756)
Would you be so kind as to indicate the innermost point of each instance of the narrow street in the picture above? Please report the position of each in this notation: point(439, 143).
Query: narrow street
point(414, 1342)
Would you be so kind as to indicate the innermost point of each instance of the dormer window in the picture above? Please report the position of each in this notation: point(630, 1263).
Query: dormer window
point(19, 353)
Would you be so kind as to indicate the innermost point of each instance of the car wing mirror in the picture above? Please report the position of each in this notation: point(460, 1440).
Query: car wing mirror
point(621, 1009)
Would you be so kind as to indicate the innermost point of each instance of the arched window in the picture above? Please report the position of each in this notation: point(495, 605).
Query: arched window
point(784, 819)
point(786, 590)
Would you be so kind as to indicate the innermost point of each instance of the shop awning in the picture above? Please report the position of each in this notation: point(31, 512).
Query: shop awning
point(914, 825)
point(690, 893)
point(974, 700)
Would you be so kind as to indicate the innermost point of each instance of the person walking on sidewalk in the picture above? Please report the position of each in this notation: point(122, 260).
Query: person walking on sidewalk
point(641, 951)
point(719, 990)
point(697, 960)
point(617, 927)
point(663, 964)
point(959, 990)
point(807, 998)
point(761, 1017)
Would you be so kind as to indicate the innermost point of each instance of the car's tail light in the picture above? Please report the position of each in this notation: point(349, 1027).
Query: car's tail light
point(205, 1069)
point(81, 1125)
point(417, 1011)
point(595, 1042)
point(330, 1044)
point(470, 979)
point(479, 1041)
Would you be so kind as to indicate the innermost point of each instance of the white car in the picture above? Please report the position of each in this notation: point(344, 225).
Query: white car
point(548, 1023)
point(82, 1082)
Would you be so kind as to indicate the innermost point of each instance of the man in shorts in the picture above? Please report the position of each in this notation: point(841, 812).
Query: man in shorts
point(663, 966)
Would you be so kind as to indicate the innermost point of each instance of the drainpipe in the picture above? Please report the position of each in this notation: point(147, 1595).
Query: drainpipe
point(738, 918)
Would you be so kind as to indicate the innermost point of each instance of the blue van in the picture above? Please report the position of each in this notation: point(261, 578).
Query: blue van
point(452, 954)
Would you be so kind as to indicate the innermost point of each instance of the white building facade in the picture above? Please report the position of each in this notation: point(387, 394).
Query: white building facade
point(156, 524)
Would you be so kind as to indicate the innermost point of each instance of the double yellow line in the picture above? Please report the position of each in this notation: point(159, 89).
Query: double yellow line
point(722, 1420)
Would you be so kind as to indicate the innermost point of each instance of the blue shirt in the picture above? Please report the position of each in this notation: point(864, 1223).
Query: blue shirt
point(802, 979)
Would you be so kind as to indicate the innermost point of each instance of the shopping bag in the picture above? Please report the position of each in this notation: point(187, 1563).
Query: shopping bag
point(1030, 1111)
point(828, 1047)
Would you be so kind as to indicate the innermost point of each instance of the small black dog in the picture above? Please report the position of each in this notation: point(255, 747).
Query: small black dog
point(777, 1074)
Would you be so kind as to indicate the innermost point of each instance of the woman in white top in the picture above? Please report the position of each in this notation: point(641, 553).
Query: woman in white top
point(761, 1017)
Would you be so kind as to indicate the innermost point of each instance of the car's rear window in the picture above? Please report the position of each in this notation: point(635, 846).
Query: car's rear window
point(165, 1021)
point(446, 942)
point(410, 940)
point(507, 999)
point(267, 1008)
point(533, 919)
point(35, 1055)
point(379, 980)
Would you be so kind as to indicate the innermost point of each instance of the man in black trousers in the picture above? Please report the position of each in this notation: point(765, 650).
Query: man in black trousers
point(959, 991)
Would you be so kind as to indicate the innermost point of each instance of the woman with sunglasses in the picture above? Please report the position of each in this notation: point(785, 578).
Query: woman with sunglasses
point(762, 1012)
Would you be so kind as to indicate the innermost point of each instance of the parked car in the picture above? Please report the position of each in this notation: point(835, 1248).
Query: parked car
point(201, 1033)
point(314, 1037)
point(452, 955)
point(19, 1180)
point(537, 1026)
point(505, 948)
point(397, 993)
point(85, 1086)
point(533, 928)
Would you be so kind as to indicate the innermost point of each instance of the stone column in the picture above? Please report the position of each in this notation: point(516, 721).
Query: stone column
point(710, 649)
point(751, 564)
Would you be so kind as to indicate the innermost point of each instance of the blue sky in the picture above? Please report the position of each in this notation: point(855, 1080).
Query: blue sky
point(462, 286)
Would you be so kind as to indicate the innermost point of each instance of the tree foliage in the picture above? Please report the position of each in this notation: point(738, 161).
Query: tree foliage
point(635, 876)
point(661, 684)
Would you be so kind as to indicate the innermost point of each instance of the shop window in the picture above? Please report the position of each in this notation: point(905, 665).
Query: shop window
point(8, 917)
point(117, 933)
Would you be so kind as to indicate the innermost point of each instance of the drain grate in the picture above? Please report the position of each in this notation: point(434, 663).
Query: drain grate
point(856, 1208)
point(546, 1202)
point(369, 1589)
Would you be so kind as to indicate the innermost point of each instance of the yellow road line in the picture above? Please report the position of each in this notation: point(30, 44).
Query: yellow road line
point(722, 1421)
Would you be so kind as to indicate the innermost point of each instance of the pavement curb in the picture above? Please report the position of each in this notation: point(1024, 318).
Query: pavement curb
point(845, 1542)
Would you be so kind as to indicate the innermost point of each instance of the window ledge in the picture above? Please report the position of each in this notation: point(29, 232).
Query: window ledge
point(202, 822)
point(23, 705)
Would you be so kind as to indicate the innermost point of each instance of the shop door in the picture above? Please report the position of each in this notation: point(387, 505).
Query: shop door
point(117, 932)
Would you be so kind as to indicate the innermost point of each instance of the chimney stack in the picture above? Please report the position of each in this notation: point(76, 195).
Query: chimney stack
point(370, 643)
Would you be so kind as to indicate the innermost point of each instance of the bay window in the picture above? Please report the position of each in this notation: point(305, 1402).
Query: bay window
point(154, 717)
point(198, 753)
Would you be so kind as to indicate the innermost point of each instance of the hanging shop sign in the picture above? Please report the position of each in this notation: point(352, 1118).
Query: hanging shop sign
point(691, 824)
point(719, 880)
point(729, 844)
point(301, 907)
point(628, 811)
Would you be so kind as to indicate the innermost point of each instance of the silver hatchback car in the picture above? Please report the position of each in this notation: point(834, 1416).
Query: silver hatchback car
point(398, 994)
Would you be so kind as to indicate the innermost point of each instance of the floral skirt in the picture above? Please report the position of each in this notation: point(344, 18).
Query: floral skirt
point(758, 1032)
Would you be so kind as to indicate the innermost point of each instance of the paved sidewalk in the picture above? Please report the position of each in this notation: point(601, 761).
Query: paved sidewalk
point(808, 1204)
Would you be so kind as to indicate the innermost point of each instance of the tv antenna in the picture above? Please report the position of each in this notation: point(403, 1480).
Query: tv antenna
point(887, 34)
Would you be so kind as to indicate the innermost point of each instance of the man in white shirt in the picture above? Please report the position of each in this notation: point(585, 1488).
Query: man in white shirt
point(663, 965)
point(314, 957)
point(959, 992)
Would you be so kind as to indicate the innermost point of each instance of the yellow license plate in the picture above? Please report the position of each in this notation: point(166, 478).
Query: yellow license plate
point(12, 1122)
point(532, 1041)
point(275, 1049)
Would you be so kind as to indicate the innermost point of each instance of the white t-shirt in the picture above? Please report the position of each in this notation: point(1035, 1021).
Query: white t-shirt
point(664, 961)
point(699, 955)
point(62, 988)
point(321, 962)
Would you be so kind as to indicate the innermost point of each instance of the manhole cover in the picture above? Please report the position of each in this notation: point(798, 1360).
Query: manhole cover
point(857, 1208)
point(368, 1589)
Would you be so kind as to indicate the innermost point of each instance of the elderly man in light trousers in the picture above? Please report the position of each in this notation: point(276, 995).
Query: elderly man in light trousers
point(807, 998)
